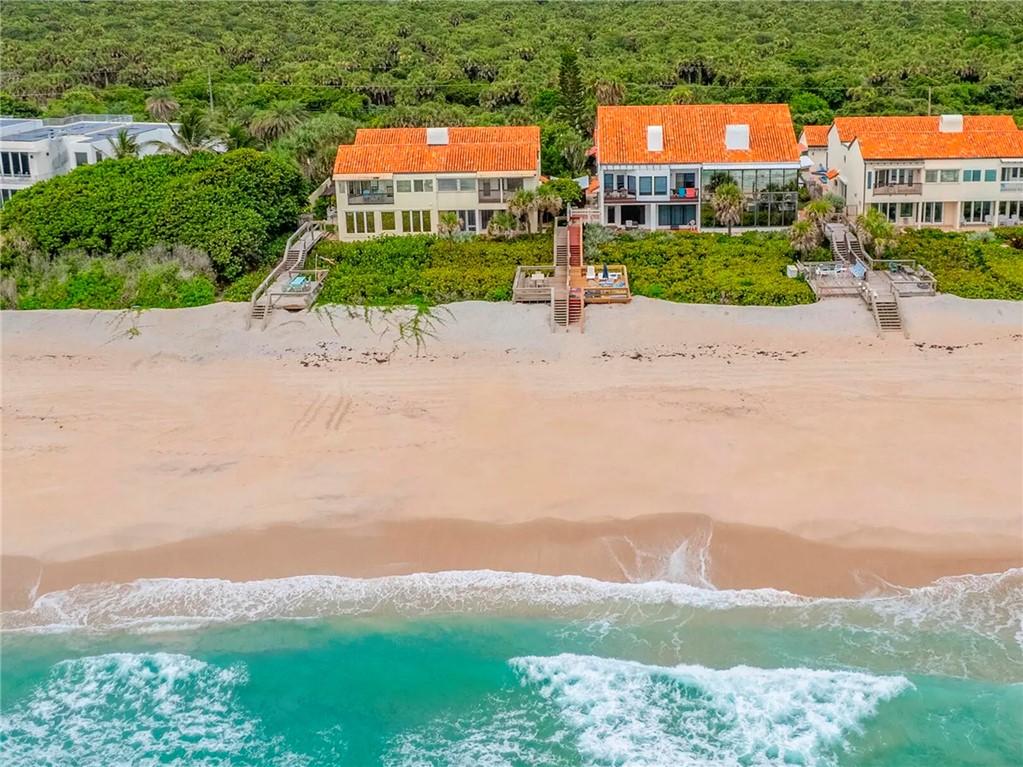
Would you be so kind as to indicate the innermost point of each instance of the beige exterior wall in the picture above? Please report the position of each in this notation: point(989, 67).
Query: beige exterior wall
point(370, 220)
point(818, 156)
point(953, 197)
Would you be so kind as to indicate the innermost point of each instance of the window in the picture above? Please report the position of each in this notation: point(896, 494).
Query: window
point(15, 163)
point(1012, 174)
point(416, 221)
point(611, 214)
point(387, 221)
point(99, 155)
point(646, 185)
point(905, 210)
point(949, 176)
point(5, 195)
point(403, 186)
point(466, 185)
point(360, 222)
point(423, 185)
point(990, 174)
point(370, 191)
point(930, 212)
point(931, 176)
point(675, 215)
point(466, 220)
point(630, 185)
point(1010, 209)
point(889, 209)
point(447, 185)
point(609, 181)
point(485, 216)
point(971, 175)
point(870, 178)
point(975, 212)
point(894, 177)
point(512, 184)
point(660, 184)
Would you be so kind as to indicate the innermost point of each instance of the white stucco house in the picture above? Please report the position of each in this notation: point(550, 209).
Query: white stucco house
point(813, 142)
point(400, 180)
point(951, 171)
point(657, 165)
point(33, 150)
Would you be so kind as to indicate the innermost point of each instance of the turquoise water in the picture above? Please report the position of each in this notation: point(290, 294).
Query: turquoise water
point(503, 669)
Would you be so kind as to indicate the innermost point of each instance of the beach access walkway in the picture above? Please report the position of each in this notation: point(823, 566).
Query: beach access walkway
point(880, 283)
point(289, 286)
point(569, 284)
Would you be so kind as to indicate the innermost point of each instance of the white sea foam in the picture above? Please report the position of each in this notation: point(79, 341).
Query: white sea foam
point(137, 709)
point(988, 605)
point(634, 715)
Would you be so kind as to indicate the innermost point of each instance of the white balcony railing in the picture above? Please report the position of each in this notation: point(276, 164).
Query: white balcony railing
point(1012, 186)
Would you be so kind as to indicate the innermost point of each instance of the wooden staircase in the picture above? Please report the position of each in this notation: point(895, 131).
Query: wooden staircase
point(295, 251)
point(567, 304)
point(884, 304)
point(845, 246)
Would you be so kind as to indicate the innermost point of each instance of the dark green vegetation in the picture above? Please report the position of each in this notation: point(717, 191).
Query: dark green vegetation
point(426, 270)
point(301, 76)
point(968, 265)
point(709, 268)
point(98, 237)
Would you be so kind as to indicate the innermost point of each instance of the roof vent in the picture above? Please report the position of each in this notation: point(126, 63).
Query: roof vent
point(436, 136)
point(737, 137)
point(655, 138)
point(950, 124)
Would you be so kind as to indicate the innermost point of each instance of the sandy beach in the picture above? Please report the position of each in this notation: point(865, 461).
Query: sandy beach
point(739, 447)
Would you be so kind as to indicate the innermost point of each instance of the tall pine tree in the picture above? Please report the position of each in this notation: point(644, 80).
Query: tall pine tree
point(570, 83)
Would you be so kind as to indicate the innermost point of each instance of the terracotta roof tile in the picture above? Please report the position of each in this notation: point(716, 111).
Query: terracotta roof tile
point(695, 133)
point(850, 127)
point(404, 150)
point(816, 135)
point(940, 146)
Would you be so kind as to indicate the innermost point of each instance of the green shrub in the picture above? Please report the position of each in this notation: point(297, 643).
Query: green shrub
point(964, 265)
point(241, 289)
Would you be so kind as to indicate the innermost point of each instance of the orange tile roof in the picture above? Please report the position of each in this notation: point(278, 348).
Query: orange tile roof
point(695, 133)
point(816, 135)
point(404, 150)
point(940, 146)
point(850, 127)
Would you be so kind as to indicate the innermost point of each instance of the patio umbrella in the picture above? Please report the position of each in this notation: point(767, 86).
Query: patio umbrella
point(604, 274)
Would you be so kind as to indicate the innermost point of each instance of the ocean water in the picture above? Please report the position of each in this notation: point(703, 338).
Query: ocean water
point(500, 669)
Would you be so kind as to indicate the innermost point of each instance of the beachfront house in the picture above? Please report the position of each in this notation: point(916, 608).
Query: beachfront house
point(33, 150)
point(400, 180)
point(658, 165)
point(813, 142)
point(949, 171)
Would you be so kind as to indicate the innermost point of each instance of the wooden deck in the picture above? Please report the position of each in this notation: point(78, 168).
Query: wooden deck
point(597, 290)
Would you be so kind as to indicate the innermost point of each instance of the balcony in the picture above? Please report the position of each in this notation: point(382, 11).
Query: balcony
point(1012, 186)
point(626, 196)
point(494, 195)
point(371, 198)
point(883, 189)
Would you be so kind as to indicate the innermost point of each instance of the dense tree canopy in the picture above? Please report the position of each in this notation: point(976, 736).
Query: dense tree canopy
point(415, 63)
point(228, 205)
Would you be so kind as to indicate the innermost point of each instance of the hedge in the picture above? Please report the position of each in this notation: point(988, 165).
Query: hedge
point(977, 265)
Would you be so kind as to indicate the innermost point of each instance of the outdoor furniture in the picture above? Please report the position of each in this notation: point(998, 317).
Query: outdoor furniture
point(858, 270)
point(829, 270)
point(591, 272)
point(297, 284)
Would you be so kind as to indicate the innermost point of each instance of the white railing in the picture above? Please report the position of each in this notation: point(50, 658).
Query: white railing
point(1012, 186)
point(71, 119)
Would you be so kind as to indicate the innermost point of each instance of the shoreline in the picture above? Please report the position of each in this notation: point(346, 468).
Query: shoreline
point(825, 457)
point(676, 548)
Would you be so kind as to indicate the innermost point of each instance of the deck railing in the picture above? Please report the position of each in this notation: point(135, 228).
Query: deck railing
point(308, 228)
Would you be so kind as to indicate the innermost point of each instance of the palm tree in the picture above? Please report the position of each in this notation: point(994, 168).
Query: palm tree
point(549, 202)
point(522, 204)
point(818, 212)
point(682, 94)
point(192, 135)
point(123, 145)
point(280, 117)
point(804, 236)
point(162, 106)
point(727, 201)
point(874, 228)
point(609, 91)
point(502, 224)
point(237, 136)
point(449, 223)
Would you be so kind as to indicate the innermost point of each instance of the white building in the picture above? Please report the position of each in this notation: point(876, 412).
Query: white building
point(34, 150)
point(658, 164)
point(950, 171)
point(400, 180)
point(813, 142)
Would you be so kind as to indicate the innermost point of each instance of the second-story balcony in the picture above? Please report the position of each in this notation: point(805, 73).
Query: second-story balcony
point(916, 188)
point(371, 198)
point(494, 195)
point(1012, 186)
point(629, 196)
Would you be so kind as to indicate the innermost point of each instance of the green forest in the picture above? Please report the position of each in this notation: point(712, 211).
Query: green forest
point(301, 76)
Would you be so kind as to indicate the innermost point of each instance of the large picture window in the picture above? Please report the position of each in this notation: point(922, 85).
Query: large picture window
point(415, 221)
point(976, 211)
point(360, 222)
point(771, 196)
point(931, 212)
point(15, 163)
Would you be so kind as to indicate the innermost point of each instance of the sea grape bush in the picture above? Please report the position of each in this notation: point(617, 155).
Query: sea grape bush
point(966, 266)
point(228, 205)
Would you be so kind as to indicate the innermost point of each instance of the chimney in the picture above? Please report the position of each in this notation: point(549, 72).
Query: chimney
point(737, 137)
point(436, 136)
point(950, 123)
point(655, 138)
